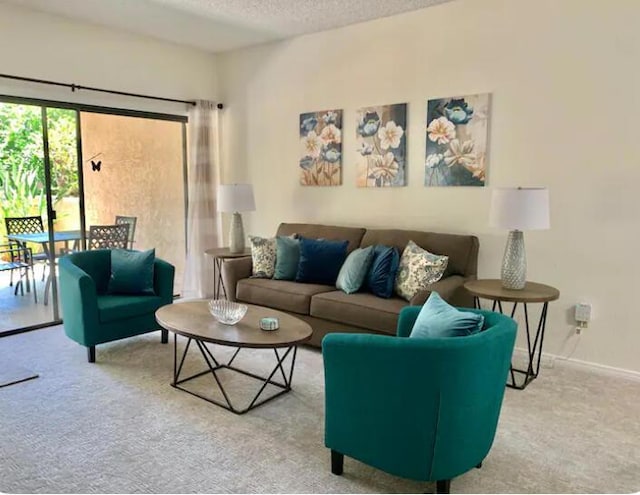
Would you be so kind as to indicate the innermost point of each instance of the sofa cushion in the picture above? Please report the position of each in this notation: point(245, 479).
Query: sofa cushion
point(382, 276)
point(328, 232)
point(279, 294)
point(462, 250)
point(361, 310)
point(113, 307)
point(287, 258)
point(320, 260)
point(263, 256)
point(438, 319)
point(131, 272)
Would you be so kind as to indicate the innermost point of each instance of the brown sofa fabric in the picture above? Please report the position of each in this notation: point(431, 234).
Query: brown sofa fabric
point(279, 294)
point(329, 232)
point(233, 270)
point(323, 327)
point(461, 249)
point(450, 289)
point(361, 310)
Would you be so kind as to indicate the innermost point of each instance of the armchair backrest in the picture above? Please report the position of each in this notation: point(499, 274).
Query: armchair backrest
point(425, 409)
point(97, 264)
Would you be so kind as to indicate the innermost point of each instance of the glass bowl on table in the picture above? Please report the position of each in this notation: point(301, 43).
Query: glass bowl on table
point(227, 312)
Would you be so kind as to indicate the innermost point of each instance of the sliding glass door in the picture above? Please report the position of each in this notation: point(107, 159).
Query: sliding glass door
point(67, 169)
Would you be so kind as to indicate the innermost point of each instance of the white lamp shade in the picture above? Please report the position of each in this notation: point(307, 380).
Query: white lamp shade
point(235, 197)
point(520, 208)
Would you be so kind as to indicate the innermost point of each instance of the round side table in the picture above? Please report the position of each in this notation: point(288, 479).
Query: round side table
point(492, 290)
point(219, 256)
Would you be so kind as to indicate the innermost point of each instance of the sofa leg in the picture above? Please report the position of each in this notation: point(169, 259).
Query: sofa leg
point(479, 465)
point(337, 462)
point(91, 353)
point(443, 486)
point(164, 336)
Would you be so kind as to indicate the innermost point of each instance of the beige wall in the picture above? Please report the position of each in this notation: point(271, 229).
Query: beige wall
point(51, 47)
point(141, 176)
point(564, 80)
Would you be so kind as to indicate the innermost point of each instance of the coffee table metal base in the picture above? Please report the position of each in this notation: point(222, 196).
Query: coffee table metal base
point(214, 366)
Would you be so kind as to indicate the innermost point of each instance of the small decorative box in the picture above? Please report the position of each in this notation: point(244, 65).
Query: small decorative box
point(269, 324)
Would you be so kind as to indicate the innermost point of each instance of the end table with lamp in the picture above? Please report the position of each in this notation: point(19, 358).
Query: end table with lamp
point(531, 293)
point(518, 209)
point(220, 255)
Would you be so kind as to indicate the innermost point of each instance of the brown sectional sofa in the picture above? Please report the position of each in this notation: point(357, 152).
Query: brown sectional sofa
point(327, 309)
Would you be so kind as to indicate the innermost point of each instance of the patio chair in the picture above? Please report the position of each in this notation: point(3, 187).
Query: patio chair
point(131, 222)
point(27, 225)
point(108, 237)
point(21, 259)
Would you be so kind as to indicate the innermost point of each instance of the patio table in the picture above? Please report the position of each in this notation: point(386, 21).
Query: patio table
point(42, 238)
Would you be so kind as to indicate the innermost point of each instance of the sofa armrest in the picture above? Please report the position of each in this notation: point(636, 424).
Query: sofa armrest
point(79, 303)
point(446, 287)
point(163, 279)
point(233, 270)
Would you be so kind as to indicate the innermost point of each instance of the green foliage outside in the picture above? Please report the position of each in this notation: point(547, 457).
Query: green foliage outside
point(22, 181)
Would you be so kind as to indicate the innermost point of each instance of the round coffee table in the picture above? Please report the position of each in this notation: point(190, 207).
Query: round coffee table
point(192, 320)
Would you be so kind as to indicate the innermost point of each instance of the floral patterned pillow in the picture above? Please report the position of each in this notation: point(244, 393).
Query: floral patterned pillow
point(263, 256)
point(418, 268)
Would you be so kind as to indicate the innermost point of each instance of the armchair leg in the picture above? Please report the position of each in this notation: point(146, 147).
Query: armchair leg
point(479, 465)
point(337, 462)
point(164, 336)
point(91, 353)
point(443, 486)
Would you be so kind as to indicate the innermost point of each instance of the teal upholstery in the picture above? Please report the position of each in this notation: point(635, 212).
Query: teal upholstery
point(424, 409)
point(91, 316)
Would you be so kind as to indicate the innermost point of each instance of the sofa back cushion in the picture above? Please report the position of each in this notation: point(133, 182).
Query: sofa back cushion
point(331, 233)
point(462, 250)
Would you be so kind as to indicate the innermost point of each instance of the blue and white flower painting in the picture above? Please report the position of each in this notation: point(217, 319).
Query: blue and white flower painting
point(321, 148)
point(381, 146)
point(457, 133)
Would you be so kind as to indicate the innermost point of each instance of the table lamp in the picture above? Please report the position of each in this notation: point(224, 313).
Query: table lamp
point(518, 209)
point(234, 198)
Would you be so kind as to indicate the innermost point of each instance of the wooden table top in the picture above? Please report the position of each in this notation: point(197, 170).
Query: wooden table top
point(492, 289)
point(192, 319)
point(224, 253)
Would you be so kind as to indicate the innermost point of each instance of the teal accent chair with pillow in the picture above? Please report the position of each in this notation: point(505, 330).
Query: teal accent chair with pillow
point(420, 408)
point(91, 315)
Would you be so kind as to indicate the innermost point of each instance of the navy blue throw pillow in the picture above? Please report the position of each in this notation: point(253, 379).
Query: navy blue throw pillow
point(320, 260)
point(382, 274)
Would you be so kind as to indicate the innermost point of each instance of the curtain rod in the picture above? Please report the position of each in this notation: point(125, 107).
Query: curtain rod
point(75, 87)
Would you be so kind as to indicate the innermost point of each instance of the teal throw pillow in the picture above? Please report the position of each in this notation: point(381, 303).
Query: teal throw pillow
point(287, 258)
point(131, 272)
point(354, 270)
point(437, 318)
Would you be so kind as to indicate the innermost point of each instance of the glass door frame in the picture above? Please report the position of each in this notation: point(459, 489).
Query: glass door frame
point(51, 213)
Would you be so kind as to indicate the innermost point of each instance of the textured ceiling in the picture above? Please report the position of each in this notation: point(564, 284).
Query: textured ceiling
point(219, 25)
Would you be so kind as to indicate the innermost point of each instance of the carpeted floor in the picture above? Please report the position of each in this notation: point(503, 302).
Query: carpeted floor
point(117, 426)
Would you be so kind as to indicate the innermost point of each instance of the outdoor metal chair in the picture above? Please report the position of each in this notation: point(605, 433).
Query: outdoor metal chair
point(108, 237)
point(27, 225)
point(21, 259)
point(131, 222)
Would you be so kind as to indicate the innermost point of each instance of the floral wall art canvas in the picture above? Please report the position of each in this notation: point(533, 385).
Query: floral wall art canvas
point(457, 134)
point(321, 148)
point(382, 146)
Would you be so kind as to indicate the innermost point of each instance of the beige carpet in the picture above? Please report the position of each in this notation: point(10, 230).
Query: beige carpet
point(117, 426)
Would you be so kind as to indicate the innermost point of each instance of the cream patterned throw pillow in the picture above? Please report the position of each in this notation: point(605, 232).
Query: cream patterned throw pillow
point(263, 256)
point(418, 268)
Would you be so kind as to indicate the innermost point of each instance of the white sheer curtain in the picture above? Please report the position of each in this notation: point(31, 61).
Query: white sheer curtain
point(204, 229)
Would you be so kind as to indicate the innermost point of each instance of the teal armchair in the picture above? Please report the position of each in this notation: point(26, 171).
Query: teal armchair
point(91, 316)
point(424, 409)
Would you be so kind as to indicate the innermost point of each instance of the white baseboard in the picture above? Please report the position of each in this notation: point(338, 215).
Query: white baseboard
point(550, 360)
